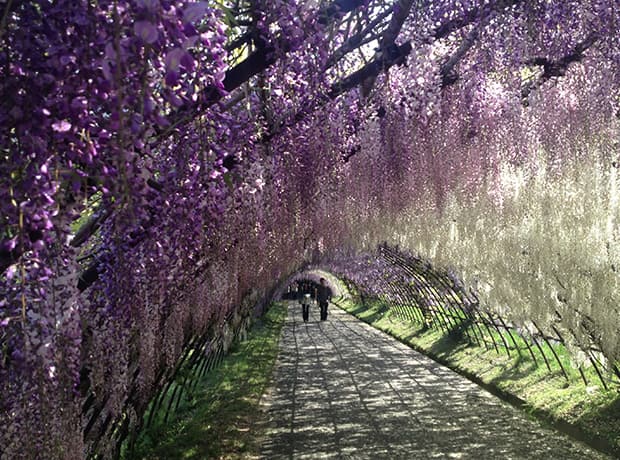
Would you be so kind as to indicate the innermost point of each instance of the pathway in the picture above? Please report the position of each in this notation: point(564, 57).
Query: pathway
point(344, 390)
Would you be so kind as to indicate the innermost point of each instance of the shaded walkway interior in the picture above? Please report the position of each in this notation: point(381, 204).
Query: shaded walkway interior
point(342, 389)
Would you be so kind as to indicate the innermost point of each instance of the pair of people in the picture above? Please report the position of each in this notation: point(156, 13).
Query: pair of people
point(322, 294)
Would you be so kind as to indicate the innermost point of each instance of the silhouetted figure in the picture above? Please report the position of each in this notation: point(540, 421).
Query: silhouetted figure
point(323, 295)
point(305, 306)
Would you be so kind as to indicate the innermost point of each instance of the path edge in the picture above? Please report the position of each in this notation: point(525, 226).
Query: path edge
point(570, 429)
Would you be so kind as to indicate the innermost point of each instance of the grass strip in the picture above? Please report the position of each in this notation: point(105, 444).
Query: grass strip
point(222, 418)
point(588, 413)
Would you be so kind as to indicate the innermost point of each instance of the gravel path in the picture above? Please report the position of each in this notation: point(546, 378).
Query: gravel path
point(344, 390)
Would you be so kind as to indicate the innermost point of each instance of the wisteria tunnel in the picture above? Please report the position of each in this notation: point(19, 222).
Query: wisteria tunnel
point(169, 168)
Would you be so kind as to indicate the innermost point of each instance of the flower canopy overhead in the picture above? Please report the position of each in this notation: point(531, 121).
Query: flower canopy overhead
point(165, 163)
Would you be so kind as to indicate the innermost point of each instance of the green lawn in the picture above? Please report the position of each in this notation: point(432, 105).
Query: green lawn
point(221, 419)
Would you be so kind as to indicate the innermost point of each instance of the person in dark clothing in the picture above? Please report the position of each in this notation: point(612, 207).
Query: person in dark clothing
point(323, 295)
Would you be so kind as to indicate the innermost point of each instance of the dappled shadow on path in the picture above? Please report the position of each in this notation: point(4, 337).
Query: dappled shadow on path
point(345, 390)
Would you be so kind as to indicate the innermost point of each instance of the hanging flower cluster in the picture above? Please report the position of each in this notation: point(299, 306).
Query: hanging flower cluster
point(165, 163)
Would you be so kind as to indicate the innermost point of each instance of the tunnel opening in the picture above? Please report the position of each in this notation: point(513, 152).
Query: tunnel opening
point(167, 167)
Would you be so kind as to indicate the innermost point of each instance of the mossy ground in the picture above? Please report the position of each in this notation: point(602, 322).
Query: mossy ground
point(220, 420)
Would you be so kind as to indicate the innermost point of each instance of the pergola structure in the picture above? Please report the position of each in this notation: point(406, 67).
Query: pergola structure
point(168, 164)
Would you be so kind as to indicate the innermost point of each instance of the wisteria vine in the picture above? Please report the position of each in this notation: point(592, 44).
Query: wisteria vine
point(165, 163)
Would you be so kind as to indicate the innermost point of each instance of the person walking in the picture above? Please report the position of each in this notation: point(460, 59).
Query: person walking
point(323, 295)
point(305, 307)
point(304, 298)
